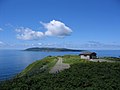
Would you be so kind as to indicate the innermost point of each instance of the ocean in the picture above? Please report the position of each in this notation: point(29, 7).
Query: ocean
point(13, 62)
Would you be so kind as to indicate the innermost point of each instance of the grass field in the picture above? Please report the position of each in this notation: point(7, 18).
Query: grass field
point(72, 59)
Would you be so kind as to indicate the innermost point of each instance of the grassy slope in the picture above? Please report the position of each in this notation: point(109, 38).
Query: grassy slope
point(83, 75)
point(39, 66)
point(72, 59)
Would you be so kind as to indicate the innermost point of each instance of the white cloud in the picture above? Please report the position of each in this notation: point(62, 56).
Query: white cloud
point(1, 29)
point(93, 45)
point(39, 44)
point(9, 25)
point(1, 42)
point(28, 34)
point(53, 28)
point(56, 28)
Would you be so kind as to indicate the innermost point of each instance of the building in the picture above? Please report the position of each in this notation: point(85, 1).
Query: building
point(88, 55)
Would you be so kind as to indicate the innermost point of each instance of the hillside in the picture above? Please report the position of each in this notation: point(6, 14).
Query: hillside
point(52, 49)
point(82, 75)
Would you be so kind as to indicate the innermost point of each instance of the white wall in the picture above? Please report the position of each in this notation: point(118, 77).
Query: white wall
point(85, 57)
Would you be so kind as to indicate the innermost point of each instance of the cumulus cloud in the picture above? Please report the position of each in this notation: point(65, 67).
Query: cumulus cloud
point(56, 28)
point(53, 28)
point(28, 34)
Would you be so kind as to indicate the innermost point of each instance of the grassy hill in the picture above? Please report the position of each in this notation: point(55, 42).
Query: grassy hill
point(82, 75)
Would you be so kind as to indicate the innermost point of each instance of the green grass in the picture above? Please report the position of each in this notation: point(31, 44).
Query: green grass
point(36, 66)
point(52, 63)
point(72, 59)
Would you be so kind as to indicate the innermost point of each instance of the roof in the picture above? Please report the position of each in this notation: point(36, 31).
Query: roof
point(87, 53)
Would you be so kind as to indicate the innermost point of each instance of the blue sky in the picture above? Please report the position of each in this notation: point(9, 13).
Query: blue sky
point(79, 24)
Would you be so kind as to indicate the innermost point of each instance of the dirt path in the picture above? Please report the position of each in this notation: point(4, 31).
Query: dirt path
point(59, 66)
point(101, 60)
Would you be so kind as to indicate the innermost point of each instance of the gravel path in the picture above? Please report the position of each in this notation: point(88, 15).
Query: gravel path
point(100, 60)
point(59, 66)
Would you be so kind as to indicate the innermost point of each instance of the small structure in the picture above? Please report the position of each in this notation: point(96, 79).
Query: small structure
point(88, 55)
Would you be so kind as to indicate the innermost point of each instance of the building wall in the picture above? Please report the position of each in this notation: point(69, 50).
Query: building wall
point(93, 57)
point(85, 57)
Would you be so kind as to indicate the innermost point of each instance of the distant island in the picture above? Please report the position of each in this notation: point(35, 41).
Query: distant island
point(46, 49)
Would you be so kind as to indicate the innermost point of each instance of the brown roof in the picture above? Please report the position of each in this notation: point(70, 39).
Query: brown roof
point(87, 53)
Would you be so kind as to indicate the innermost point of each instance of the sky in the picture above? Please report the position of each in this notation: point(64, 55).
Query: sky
point(77, 24)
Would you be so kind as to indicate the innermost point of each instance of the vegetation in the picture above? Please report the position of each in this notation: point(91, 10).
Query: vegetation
point(111, 58)
point(73, 59)
point(52, 49)
point(39, 66)
point(82, 75)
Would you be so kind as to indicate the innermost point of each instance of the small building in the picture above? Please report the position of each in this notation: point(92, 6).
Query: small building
point(88, 55)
